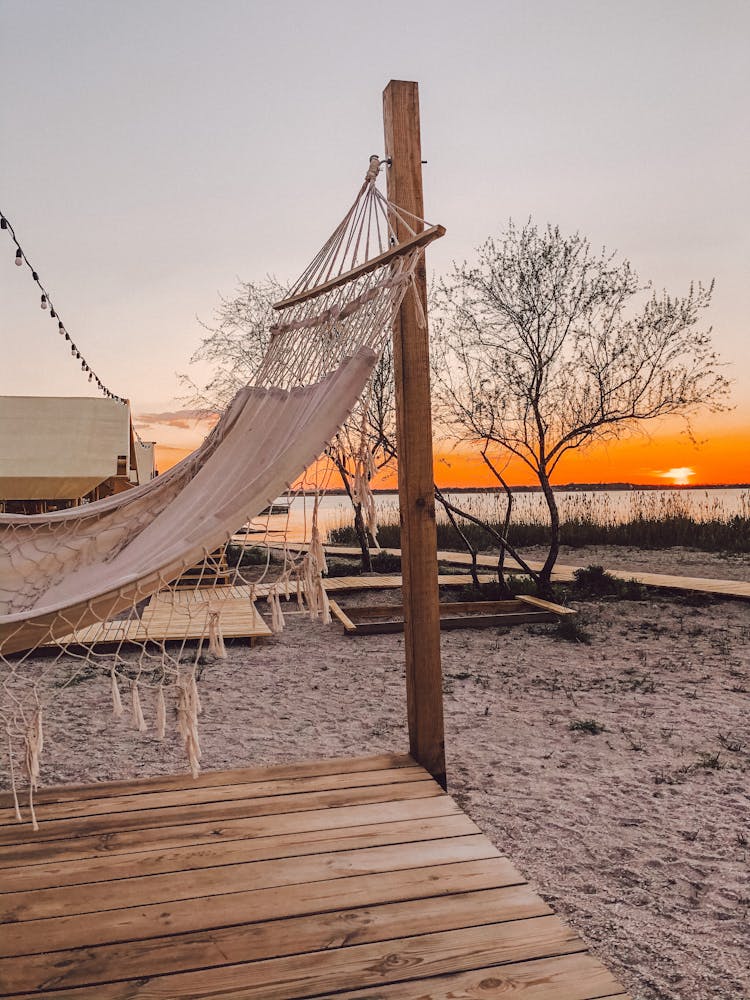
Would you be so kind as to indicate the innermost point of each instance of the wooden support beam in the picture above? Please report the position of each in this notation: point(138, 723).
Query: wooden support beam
point(424, 689)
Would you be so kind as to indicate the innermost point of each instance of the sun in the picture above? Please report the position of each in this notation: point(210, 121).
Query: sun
point(679, 477)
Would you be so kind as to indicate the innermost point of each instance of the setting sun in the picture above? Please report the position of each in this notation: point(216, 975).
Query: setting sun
point(679, 477)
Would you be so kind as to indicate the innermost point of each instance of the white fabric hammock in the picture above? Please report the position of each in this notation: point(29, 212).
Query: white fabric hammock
point(62, 572)
point(104, 561)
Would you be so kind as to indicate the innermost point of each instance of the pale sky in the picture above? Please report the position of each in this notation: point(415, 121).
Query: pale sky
point(154, 151)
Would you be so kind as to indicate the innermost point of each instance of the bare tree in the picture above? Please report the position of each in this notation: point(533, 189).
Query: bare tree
point(543, 346)
point(234, 347)
point(365, 445)
point(235, 343)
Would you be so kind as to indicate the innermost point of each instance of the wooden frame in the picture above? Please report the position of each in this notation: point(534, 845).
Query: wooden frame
point(388, 618)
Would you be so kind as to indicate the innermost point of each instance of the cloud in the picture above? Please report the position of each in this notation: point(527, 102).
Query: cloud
point(183, 419)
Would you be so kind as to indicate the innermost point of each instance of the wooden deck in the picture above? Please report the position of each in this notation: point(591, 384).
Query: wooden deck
point(183, 614)
point(347, 878)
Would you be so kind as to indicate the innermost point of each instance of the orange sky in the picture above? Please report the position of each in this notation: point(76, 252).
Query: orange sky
point(668, 458)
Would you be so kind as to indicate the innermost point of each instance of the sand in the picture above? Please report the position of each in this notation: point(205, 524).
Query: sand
point(676, 561)
point(638, 832)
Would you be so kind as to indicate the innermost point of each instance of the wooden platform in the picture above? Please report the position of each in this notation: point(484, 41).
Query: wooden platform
point(358, 878)
point(178, 615)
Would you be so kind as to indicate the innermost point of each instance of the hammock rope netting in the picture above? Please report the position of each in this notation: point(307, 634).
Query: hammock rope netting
point(63, 574)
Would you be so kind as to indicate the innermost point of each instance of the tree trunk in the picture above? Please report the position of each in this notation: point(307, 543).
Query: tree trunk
point(467, 544)
point(508, 514)
point(544, 584)
point(362, 538)
point(499, 539)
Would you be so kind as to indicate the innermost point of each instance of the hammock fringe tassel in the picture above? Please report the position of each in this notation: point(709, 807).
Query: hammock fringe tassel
point(216, 645)
point(117, 709)
point(138, 719)
point(188, 708)
point(161, 713)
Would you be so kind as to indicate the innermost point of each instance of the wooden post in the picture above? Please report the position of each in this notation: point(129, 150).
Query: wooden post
point(411, 359)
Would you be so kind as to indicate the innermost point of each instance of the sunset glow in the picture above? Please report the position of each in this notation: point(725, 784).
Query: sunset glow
point(678, 477)
point(723, 458)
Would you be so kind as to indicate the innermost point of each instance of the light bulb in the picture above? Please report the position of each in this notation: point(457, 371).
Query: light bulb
point(44, 301)
point(19, 257)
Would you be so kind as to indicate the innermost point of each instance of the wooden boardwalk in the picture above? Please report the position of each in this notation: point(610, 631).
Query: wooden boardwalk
point(353, 878)
point(565, 573)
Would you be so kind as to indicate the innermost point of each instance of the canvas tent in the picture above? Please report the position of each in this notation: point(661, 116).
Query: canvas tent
point(63, 449)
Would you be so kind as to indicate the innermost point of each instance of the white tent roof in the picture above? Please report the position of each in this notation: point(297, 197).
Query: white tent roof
point(58, 448)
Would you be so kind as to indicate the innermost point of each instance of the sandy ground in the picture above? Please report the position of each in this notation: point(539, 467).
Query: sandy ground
point(639, 834)
point(677, 560)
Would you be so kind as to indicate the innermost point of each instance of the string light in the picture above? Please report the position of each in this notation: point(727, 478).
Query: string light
point(46, 302)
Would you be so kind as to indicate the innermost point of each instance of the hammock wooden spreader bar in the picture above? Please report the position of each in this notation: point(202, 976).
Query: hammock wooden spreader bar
point(418, 242)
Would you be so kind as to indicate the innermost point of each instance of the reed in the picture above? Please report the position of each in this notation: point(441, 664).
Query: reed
point(639, 519)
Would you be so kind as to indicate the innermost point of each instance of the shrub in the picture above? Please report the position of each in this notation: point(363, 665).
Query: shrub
point(384, 562)
point(595, 581)
point(571, 630)
point(239, 555)
point(590, 726)
point(343, 567)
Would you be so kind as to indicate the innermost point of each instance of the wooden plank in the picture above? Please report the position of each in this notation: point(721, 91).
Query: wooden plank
point(26, 857)
point(460, 621)
point(153, 819)
point(368, 965)
point(155, 920)
point(497, 621)
point(404, 246)
point(411, 366)
point(163, 783)
point(268, 939)
point(154, 862)
point(338, 612)
point(81, 808)
point(98, 897)
point(369, 612)
point(481, 607)
point(570, 977)
point(537, 602)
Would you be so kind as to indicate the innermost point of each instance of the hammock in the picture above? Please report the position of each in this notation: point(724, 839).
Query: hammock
point(62, 572)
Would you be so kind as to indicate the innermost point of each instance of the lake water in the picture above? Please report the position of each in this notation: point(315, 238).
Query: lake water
point(600, 506)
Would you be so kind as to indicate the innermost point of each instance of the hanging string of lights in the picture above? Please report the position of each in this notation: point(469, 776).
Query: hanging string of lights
point(47, 304)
